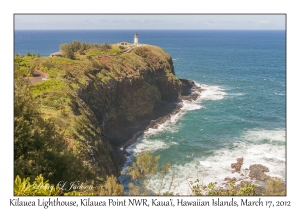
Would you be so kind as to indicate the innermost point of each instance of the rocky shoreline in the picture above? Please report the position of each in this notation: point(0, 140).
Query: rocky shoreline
point(255, 172)
point(190, 91)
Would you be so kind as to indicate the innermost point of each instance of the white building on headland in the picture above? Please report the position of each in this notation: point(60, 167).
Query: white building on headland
point(136, 39)
point(57, 54)
point(135, 42)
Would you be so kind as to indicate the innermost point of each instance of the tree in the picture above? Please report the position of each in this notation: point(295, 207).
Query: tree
point(39, 148)
point(75, 46)
point(111, 187)
point(105, 46)
point(142, 170)
point(144, 167)
point(67, 50)
point(83, 46)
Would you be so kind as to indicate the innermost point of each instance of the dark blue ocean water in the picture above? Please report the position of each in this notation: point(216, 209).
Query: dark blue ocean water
point(241, 112)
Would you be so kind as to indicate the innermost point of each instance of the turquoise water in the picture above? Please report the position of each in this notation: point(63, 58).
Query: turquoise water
point(240, 113)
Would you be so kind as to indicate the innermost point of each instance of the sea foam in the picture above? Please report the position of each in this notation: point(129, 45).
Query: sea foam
point(214, 168)
point(212, 93)
point(256, 146)
point(144, 144)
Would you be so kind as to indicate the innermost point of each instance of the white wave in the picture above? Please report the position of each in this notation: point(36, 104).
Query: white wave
point(198, 84)
point(205, 163)
point(166, 126)
point(169, 124)
point(236, 94)
point(147, 145)
point(209, 93)
point(280, 94)
point(189, 106)
point(143, 144)
point(216, 167)
point(270, 135)
point(266, 153)
point(212, 93)
point(198, 166)
point(203, 170)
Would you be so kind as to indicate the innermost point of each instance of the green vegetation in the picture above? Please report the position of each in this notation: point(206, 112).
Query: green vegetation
point(246, 189)
point(275, 186)
point(141, 171)
point(82, 48)
point(48, 86)
point(40, 187)
point(39, 146)
point(25, 64)
point(96, 51)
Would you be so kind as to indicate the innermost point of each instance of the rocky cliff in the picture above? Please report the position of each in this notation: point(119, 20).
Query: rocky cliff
point(103, 101)
point(127, 103)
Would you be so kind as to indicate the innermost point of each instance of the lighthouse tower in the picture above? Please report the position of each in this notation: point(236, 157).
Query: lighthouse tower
point(136, 39)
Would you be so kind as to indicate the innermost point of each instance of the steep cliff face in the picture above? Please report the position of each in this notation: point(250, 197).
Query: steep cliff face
point(127, 103)
point(99, 102)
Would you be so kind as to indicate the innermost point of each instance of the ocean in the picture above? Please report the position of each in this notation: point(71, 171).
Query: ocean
point(240, 113)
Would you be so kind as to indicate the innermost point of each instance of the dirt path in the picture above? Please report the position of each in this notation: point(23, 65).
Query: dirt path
point(128, 50)
point(37, 77)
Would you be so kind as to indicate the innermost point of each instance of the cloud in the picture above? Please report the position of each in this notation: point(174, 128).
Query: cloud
point(140, 21)
point(18, 19)
point(103, 20)
point(264, 22)
point(150, 21)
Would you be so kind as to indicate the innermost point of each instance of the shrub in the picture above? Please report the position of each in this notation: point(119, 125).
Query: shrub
point(38, 188)
point(275, 186)
point(142, 170)
point(111, 187)
point(199, 189)
point(51, 85)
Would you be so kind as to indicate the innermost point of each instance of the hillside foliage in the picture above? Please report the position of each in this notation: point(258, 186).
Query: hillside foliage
point(141, 171)
point(39, 146)
point(70, 49)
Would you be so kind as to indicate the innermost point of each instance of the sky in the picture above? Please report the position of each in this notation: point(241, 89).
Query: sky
point(150, 21)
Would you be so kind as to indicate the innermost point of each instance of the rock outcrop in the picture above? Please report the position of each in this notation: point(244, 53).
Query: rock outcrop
point(237, 166)
point(257, 171)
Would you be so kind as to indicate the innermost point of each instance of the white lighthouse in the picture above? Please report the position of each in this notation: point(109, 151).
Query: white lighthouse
point(136, 39)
